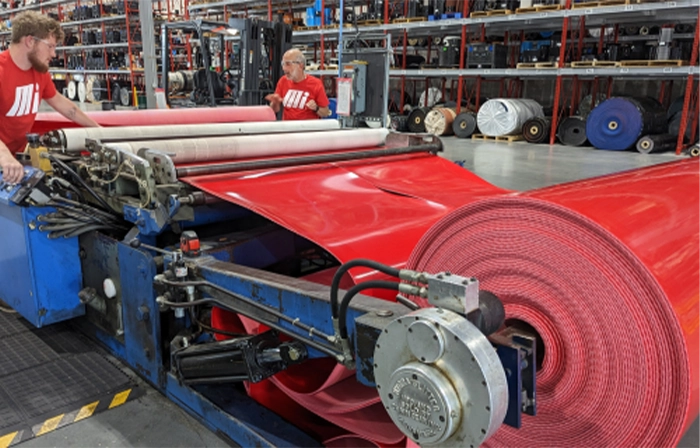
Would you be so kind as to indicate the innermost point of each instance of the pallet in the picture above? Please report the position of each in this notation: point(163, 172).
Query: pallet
point(305, 28)
point(335, 26)
point(408, 19)
point(595, 64)
point(599, 4)
point(546, 65)
point(369, 22)
point(522, 65)
point(493, 12)
point(538, 8)
point(500, 138)
point(660, 63)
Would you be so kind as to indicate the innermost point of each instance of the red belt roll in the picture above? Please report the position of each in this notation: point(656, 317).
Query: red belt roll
point(376, 208)
point(49, 121)
point(606, 272)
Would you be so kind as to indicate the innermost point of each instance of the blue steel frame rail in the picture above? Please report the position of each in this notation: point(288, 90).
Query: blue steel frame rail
point(238, 417)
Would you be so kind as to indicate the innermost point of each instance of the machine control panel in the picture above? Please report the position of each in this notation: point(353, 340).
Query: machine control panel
point(18, 193)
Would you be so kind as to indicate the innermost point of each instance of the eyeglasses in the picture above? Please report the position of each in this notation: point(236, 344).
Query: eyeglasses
point(51, 46)
point(289, 63)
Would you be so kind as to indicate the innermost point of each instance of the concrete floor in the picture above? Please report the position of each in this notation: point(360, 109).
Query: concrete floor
point(153, 421)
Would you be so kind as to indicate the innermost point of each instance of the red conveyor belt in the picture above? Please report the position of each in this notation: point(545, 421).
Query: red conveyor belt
point(376, 208)
point(49, 121)
point(606, 271)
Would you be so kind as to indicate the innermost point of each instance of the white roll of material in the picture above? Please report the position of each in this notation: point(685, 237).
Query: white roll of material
point(74, 138)
point(503, 116)
point(237, 147)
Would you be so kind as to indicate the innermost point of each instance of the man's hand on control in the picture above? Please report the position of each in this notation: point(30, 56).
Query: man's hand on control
point(12, 170)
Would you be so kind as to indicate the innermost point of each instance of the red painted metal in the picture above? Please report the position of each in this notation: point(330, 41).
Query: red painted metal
point(688, 89)
point(50, 121)
point(606, 271)
point(557, 88)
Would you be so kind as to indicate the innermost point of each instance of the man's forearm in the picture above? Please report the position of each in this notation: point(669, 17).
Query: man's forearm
point(70, 110)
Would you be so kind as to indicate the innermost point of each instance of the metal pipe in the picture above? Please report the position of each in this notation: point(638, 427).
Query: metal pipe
point(200, 170)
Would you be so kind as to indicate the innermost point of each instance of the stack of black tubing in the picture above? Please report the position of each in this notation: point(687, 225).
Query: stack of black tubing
point(464, 124)
point(618, 123)
point(416, 119)
point(572, 131)
point(536, 129)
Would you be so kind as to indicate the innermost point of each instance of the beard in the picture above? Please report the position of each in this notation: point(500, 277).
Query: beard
point(37, 65)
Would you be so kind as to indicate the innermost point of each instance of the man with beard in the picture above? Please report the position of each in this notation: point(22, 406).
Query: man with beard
point(302, 95)
point(24, 82)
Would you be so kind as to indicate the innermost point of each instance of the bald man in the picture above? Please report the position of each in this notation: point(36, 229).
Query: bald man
point(302, 96)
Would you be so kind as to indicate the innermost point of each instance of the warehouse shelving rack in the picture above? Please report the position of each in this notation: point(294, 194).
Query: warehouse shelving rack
point(132, 17)
point(604, 16)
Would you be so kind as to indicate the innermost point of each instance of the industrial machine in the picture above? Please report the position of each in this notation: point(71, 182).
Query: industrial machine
point(141, 257)
point(246, 77)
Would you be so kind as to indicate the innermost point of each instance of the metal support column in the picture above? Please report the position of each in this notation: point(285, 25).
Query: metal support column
point(148, 39)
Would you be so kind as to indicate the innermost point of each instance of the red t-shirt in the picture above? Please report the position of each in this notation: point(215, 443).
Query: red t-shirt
point(295, 95)
point(21, 92)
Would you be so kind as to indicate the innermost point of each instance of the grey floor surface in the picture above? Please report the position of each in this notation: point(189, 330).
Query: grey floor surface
point(153, 421)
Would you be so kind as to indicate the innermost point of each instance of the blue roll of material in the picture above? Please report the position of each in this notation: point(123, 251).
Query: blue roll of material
point(617, 124)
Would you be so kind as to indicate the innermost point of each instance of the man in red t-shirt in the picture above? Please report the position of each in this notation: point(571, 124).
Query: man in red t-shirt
point(302, 95)
point(24, 82)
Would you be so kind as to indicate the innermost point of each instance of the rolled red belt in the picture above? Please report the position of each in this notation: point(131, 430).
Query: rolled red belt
point(605, 271)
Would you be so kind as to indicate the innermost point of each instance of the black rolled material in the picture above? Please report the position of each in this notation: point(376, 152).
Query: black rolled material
point(675, 107)
point(116, 88)
point(572, 131)
point(656, 143)
point(98, 87)
point(416, 119)
point(536, 129)
point(674, 127)
point(399, 123)
point(108, 105)
point(464, 124)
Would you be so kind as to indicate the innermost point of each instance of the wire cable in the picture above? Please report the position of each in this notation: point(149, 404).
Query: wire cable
point(343, 311)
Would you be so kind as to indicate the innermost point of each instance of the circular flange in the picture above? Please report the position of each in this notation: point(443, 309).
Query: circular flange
point(458, 376)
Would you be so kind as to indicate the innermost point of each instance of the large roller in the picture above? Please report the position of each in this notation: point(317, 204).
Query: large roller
point(464, 124)
point(439, 121)
point(49, 121)
point(225, 148)
point(657, 143)
point(73, 139)
point(605, 272)
point(503, 116)
point(536, 129)
point(617, 124)
point(572, 131)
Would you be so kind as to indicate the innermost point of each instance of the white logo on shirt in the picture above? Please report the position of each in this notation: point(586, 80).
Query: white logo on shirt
point(295, 99)
point(26, 101)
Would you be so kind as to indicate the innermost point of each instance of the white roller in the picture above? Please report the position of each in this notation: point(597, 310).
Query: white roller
point(82, 91)
point(227, 148)
point(502, 116)
point(72, 90)
point(74, 138)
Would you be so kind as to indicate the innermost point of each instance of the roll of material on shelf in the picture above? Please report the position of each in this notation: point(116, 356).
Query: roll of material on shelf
point(587, 104)
point(657, 143)
point(674, 127)
point(439, 121)
point(82, 91)
point(49, 121)
point(464, 125)
point(430, 97)
point(235, 147)
point(616, 124)
point(72, 90)
point(399, 123)
point(536, 129)
point(502, 116)
point(416, 119)
point(675, 107)
point(73, 139)
point(572, 131)
point(618, 324)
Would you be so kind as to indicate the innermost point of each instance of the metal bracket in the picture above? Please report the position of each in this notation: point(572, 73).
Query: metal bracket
point(518, 354)
point(453, 292)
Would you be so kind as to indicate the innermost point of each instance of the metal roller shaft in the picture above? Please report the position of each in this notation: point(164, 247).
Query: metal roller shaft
point(236, 147)
point(73, 139)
